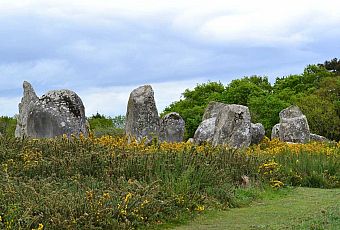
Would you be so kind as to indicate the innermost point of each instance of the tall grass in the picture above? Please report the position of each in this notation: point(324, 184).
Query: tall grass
point(108, 183)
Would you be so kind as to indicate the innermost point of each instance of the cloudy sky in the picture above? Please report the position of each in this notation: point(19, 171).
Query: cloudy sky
point(102, 49)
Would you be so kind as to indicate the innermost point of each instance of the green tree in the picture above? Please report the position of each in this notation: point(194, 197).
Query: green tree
point(265, 110)
point(193, 104)
point(332, 65)
point(101, 125)
point(240, 90)
point(321, 115)
point(8, 125)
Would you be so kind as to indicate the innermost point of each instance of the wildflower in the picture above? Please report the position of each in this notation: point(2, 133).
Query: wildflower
point(5, 167)
point(127, 197)
point(145, 202)
point(199, 208)
point(40, 227)
point(106, 195)
point(0, 219)
point(123, 212)
point(276, 184)
point(89, 195)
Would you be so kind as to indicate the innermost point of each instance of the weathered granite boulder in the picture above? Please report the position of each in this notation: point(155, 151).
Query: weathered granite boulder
point(56, 113)
point(315, 137)
point(257, 133)
point(142, 120)
point(232, 126)
point(172, 128)
point(293, 126)
point(205, 131)
point(275, 132)
point(212, 110)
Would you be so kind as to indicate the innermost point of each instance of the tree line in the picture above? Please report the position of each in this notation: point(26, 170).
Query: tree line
point(316, 91)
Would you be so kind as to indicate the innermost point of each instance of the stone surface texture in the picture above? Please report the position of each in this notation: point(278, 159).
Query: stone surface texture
point(293, 126)
point(212, 110)
point(257, 133)
point(316, 137)
point(232, 126)
point(205, 131)
point(275, 132)
point(56, 113)
point(172, 128)
point(142, 120)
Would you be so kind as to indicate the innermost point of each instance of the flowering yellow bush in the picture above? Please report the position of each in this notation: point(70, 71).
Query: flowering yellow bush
point(273, 147)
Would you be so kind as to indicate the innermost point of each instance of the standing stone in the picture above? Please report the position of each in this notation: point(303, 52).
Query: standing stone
point(205, 131)
point(293, 126)
point(275, 132)
point(257, 133)
point(172, 128)
point(56, 113)
point(142, 120)
point(212, 110)
point(233, 126)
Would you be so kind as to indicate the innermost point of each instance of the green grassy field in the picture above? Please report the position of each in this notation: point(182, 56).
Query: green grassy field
point(301, 208)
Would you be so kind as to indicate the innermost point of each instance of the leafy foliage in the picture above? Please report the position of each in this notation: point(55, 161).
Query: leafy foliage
point(316, 91)
point(101, 125)
point(193, 104)
point(7, 125)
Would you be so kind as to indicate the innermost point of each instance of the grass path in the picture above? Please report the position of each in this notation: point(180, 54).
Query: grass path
point(302, 208)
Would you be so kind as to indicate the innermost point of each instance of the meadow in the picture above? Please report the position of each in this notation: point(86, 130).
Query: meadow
point(110, 183)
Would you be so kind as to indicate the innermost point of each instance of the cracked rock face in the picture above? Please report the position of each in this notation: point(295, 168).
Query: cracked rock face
point(56, 113)
point(293, 126)
point(142, 120)
point(172, 128)
point(233, 126)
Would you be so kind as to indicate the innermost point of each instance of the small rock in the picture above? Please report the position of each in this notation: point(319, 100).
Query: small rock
point(172, 128)
point(315, 137)
point(275, 131)
point(257, 133)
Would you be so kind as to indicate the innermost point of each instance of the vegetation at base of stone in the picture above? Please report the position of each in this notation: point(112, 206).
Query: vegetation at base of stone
point(102, 125)
point(7, 125)
point(110, 183)
point(316, 91)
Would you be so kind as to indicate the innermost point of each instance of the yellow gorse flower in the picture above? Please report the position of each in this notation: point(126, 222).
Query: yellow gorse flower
point(127, 197)
point(199, 208)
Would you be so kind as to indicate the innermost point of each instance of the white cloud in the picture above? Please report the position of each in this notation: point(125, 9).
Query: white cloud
point(90, 46)
point(9, 105)
point(113, 100)
point(262, 22)
point(46, 71)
